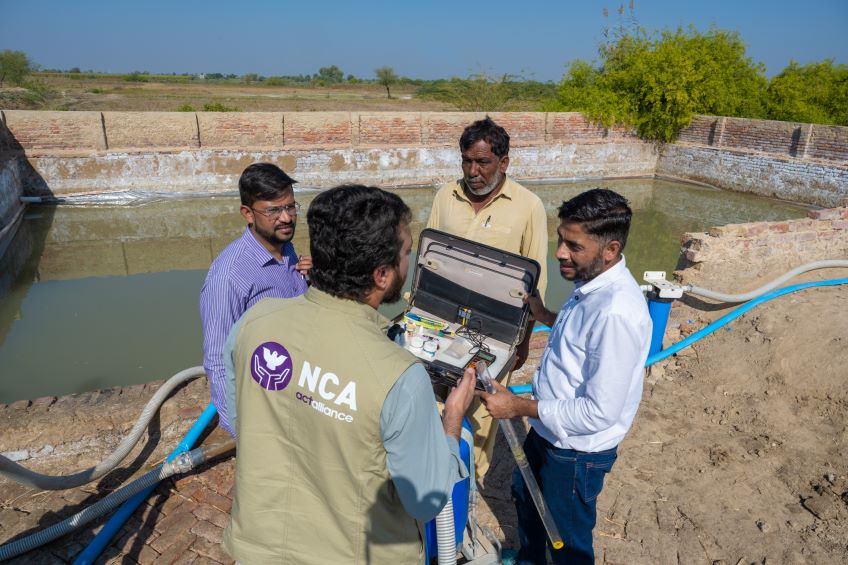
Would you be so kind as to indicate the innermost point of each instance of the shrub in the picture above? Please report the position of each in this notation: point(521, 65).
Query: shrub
point(135, 76)
point(218, 107)
point(658, 84)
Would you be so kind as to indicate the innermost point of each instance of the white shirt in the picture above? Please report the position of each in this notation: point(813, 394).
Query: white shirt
point(589, 382)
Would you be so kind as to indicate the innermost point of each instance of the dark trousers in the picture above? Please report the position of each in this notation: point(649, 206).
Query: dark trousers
point(570, 482)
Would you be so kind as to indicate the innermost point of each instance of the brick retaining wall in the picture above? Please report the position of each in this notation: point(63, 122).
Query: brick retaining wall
point(741, 257)
point(84, 152)
point(793, 161)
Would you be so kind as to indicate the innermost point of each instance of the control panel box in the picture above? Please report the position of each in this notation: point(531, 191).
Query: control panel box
point(467, 304)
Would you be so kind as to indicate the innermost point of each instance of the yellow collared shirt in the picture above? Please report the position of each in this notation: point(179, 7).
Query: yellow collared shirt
point(514, 220)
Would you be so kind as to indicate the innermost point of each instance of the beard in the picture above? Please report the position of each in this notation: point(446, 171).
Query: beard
point(393, 293)
point(272, 236)
point(587, 272)
point(487, 189)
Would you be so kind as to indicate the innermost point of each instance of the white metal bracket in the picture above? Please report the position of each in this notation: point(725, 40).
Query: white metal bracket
point(664, 288)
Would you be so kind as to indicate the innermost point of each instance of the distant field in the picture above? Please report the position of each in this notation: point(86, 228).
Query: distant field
point(168, 93)
point(164, 93)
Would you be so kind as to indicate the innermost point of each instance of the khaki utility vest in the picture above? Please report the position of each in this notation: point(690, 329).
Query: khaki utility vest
point(311, 481)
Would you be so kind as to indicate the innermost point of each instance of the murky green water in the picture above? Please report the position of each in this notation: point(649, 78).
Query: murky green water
point(92, 297)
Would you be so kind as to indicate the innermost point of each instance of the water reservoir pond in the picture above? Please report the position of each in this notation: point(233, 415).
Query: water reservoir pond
point(99, 296)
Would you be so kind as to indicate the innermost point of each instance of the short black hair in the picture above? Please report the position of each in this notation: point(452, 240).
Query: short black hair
point(490, 132)
point(353, 230)
point(602, 213)
point(263, 181)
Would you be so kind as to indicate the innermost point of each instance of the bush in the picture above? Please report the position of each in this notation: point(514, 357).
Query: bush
point(218, 107)
point(185, 108)
point(815, 93)
point(483, 93)
point(135, 76)
point(658, 84)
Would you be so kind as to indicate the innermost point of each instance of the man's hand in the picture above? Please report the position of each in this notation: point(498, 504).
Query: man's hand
point(457, 403)
point(523, 349)
point(538, 310)
point(503, 404)
point(304, 265)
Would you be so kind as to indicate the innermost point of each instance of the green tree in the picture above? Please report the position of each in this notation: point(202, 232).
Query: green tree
point(330, 75)
point(478, 93)
point(15, 67)
point(814, 93)
point(387, 77)
point(657, 84)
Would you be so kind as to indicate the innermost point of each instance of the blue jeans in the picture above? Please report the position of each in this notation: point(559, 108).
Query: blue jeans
point(570, 482)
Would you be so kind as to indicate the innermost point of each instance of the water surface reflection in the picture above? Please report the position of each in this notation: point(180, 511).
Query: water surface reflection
point(99, 296)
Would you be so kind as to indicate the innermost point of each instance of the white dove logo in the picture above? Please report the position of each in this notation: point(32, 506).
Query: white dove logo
point(272, 358)
point(271, 366)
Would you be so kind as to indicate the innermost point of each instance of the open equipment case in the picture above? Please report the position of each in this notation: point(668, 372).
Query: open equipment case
point(466, 304)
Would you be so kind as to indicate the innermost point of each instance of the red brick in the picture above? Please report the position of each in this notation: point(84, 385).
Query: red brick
point(181, 540)
point(317, 129)
point(145, 555)
point(212, 514)
point(826, 214)
point(390, 128)
point(211, 498)
point(202, 560)
point(208, 531)
point(214, 551)
point(182, 521)
point(756, 228)
point(173, 504)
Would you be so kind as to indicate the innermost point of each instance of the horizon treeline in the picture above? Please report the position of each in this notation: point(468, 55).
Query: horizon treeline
point(654, 82)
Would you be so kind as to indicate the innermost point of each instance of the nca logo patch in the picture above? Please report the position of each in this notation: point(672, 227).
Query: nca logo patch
point(271, 366)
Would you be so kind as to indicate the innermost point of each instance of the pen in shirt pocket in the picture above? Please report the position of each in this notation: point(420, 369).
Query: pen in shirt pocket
point(488, 221)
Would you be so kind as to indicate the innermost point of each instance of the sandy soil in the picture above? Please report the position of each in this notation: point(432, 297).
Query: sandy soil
point(738, 455)
point(739, 452)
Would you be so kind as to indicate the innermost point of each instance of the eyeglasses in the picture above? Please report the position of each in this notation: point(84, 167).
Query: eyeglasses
point(277, 211)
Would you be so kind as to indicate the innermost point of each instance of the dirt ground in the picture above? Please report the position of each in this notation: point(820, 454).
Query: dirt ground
point(105, 94)
point(739, 452)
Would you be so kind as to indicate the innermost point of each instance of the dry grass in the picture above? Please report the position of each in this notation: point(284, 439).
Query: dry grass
point(115, 94)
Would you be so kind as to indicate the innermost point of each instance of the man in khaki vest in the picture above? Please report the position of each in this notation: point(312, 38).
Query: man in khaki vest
point(341, 452)
point(487, 206)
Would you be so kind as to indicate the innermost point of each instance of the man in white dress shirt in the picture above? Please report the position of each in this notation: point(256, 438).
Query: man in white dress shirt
point(589, 382)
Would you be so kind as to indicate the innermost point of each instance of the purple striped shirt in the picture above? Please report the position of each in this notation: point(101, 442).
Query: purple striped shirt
point(242, 275)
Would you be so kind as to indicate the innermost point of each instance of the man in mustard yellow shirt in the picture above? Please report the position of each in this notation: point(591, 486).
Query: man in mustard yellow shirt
point(488, 207)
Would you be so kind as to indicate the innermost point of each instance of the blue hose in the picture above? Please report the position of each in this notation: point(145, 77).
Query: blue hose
point(98, 544)
point(116, 522)
point(724, 320)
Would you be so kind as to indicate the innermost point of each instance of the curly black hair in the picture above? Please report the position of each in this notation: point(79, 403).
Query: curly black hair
point(603, 213)
point(353, 230)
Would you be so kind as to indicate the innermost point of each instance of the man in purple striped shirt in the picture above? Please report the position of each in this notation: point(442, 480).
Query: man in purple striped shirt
point(260, 264)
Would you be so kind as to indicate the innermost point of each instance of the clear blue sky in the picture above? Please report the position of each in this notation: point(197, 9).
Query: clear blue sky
point(427, 39)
